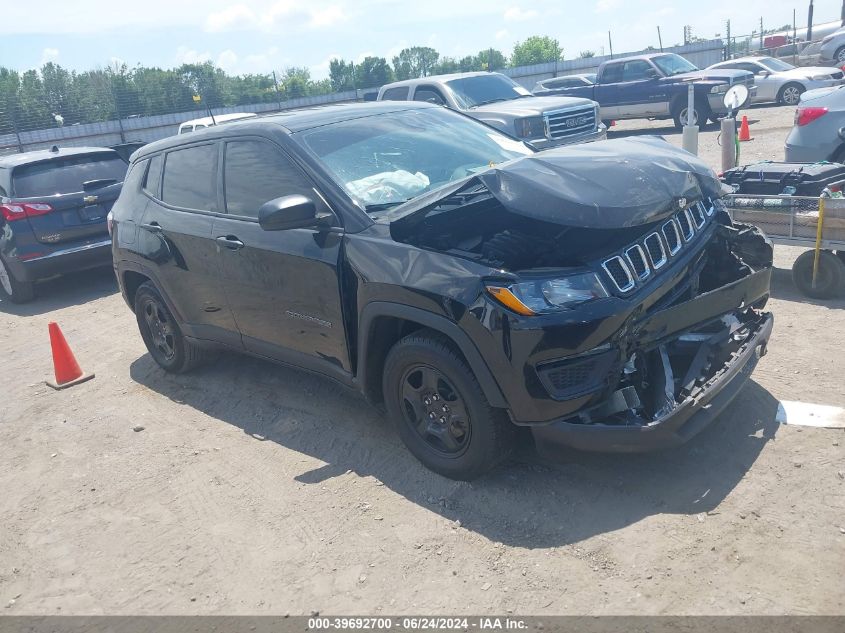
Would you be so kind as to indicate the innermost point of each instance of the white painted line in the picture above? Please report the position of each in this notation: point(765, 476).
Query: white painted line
point(807, 414)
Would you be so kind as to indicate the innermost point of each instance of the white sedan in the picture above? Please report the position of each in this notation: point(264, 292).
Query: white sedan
point(780, 82)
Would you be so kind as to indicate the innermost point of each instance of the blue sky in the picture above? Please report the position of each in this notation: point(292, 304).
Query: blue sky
point(263, 35)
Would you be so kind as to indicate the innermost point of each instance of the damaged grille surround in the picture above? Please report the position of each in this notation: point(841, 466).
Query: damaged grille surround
point(634, 265)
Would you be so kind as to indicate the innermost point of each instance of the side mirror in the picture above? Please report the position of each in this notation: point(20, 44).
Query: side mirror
point(652, 74)
point(288, 212)
point(763, 73)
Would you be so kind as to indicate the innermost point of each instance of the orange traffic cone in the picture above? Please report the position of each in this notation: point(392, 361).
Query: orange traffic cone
point(65, 366)
point(744, 132)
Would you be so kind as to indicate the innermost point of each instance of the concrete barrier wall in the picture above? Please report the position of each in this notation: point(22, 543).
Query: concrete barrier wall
point(152, 128)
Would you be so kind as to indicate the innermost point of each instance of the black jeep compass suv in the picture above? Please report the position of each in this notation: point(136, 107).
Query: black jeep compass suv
point(597, 295)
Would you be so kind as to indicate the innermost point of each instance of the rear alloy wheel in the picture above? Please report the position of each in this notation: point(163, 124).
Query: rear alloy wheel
point(830, 278)
point(839, 55)
point(440, 410)
point(790, 94)
point(12, 289)
point(162, 335)
point(700, 113)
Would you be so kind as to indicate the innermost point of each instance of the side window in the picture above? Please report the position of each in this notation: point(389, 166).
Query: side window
point(429, 94)
point(255, 172)
point(612, 74)
point(396, 94)
point(152, 181)
point(635, 70)
point(190, 178)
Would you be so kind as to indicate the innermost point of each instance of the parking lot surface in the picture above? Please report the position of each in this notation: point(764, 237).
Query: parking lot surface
point(252, 488)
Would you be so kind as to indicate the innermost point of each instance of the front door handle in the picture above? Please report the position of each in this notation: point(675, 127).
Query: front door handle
point(230, 241)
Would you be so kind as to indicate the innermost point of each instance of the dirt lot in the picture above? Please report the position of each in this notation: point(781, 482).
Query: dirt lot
point(258, 489)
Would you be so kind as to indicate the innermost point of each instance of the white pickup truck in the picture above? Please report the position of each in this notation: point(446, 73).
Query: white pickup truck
point(502, 103)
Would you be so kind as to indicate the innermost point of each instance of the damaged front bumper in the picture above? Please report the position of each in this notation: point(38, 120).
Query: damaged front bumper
point(678, 423)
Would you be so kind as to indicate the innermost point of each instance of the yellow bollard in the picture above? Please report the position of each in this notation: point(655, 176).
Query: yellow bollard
point(818, 240)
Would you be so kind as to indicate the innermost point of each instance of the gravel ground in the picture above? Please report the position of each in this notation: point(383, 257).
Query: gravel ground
point(257, 489)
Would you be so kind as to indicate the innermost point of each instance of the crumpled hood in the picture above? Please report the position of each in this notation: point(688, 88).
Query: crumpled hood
point(530, 106)
point(604, 185)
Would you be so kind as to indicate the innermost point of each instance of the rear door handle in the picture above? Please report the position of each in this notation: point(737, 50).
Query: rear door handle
point(230, 241)
point(152, 227)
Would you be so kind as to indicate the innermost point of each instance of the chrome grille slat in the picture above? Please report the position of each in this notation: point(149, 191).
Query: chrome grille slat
point(636, 262)
point(656, 250)
point(639, 264)
point(685, 222)
point(672, 234)
point(618, 271)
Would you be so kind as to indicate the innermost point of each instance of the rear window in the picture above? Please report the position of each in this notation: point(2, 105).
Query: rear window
point(66, 175)
point(395, 94)
point(190, 178)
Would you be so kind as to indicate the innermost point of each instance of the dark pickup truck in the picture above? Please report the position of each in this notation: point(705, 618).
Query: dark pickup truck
point(655, 87)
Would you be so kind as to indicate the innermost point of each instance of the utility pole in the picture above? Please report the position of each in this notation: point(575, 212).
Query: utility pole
point(761, 33)
point(278, 94)
point(610, 44)
point(810, 22)
point(660, 39)
point(728, 50)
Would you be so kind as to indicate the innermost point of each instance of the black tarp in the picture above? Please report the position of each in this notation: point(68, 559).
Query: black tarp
point(604, 185)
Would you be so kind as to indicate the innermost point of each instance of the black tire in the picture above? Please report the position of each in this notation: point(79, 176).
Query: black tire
point(830, 278)
point(162, 334)
point(466, 437)
point(789, 94)
point(701, 112)
point(12, 288)
point(607, 123)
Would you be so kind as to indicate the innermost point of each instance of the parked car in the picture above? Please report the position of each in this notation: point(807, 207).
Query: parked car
point(819, 129)
point(547, 87)
point(207, 121)
point(597, 295)
point(54, 205)
point(780, 82)
point(830, 50)
point(655, 87)
point(502, 103)
point(125, 149)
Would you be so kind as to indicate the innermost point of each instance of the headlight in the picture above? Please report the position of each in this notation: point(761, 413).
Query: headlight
point(820, 77)
point(535, 296)
point(720, 89)
point(530, 127)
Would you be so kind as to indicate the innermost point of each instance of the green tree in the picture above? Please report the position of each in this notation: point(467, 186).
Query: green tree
point(536, 49)
point(491, 59)
point(417, 61)
point(296, 82)
point(341, 75)
point(372, 72)
point(586, 54)
point(445, 66)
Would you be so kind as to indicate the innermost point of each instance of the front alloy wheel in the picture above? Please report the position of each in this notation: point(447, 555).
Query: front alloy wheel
point(791, 95)
point(435, 411)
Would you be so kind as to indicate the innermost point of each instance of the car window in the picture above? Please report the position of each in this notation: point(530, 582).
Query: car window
point(255, 172)
point(671, 64)
point(775, 65)
point(66, 175)
point(635, 70)
point(477, 90)
point(611, 74)
point(430, 95)
point(152, 181)
point(396, 94)
point(190, 178)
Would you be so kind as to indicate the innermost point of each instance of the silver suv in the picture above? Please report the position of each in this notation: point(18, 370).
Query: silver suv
point(502, 103)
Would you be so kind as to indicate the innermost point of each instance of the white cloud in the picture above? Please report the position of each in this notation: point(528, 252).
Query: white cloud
point(517, 14)
point(322, 69)
point(237, 16)
point(185, 55)
point(500, 35)
point(603, 6)
point(284, 13)
point(228, 60)
point(49, 55)
point(327, 17)
point(362, 56)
